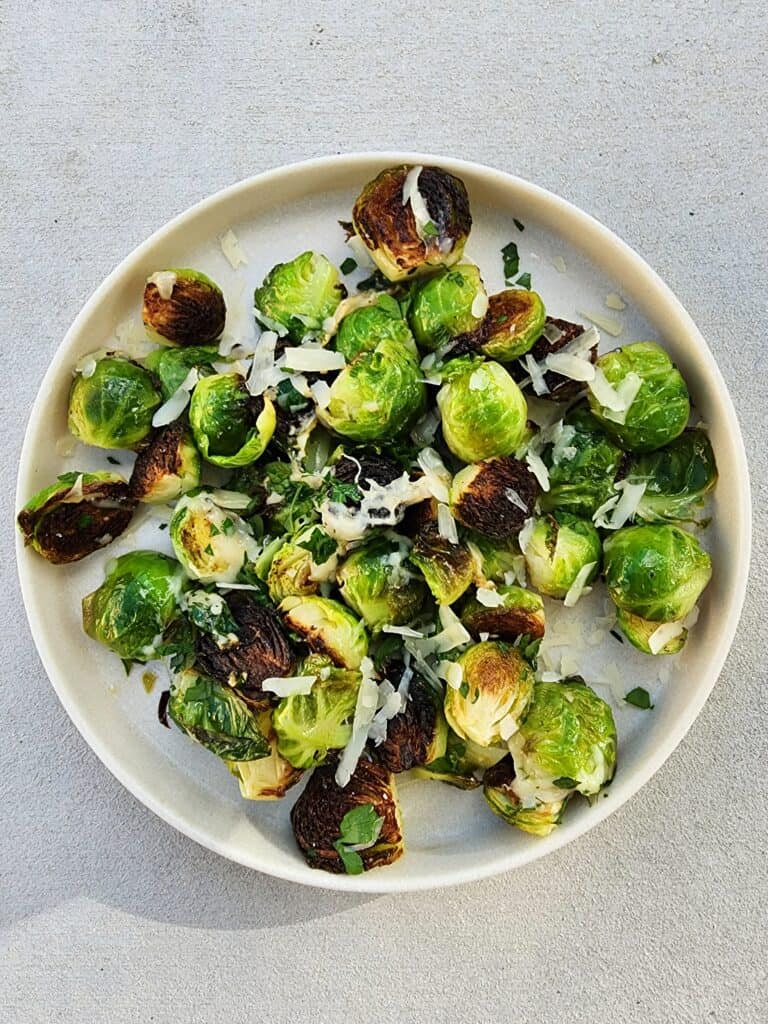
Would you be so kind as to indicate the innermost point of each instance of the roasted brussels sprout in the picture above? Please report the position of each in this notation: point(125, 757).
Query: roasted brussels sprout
point(216, 717)
point(677, 478)
point(494, 694)
point(656, 572)
point(567, 742)
point(506, 612)
point(582, 465)
point(448, 568)
point(183, 307)
point(514, 322)
point(463, 763)
point(448, 306)
point(212, 543)
point(363, 329)
point(366, 466)
point(557, 549)
point(137, 600)
point(639, 632)
point(79, 514)
point(230, 426)
point(494, 497)
point(413, 219)
point(494, 559)
point(417, 735)
point(167, 467)
point(301, 564)
point(483, 411)
point(660, 408)
point(376, 583)
point(377, 396)
point(327, 627)
point(113, 407)
point(499, 791)
point(172, 365)
point(270, 777)
point(559, 336)
point(296, 298)
point(309, 725)
point(259, 651)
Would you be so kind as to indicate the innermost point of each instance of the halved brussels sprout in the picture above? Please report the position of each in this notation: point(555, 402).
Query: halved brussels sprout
point(327, 627)
point(309, 725)
point(363, 467)
point(114, 406)
point(582, 465)
point(660, 409)
point(323, 816)
point(301, 564)
point(363, 329)
point(677, 478)
point(413, 219)
point(656, 572)
point(79, 514)
point(230, 426)
point(639, 631)
point(296, 298)
point(463, 763)
point(499, 791)
point(494, 695)
point(482, 409)
point(494, 560)
point(167, 467)
point(567, 742)
point(448, 568)
point(516, 612)
point(417, 735)
point(448, 306)
point(183, 307)
point(260, 649)
point(557, 336)
point(270, 777)
point(514, 322)
point(137, 600)
point(495, 497)
point(216, 717)
point(212, 543)
point(556, 549)
point(375, 582)
point(377, 396)
point(172, 365)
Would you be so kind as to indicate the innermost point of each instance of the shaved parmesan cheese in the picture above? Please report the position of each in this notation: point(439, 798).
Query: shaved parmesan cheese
point(232, 249)
point(321, 394)
point(75, 492)
point(412, 195)
point(390, 703)
point(437, 478)
point(559, 264)
point(453, 633)
point(229, 499)
point(604, 392)
point(508, 726)
point(609, 324)
point(177, 403)
point(365, 709)
point(692, 617)
point(538, 382)
point(525, 534)
point(514, 498)
point(579, 587)
point(661, 636)
point(621, 507)
point(235, 586)
point(314, 359)
point(599, 517)
point(539, 470)
point(360, 251)
point(88, 367)
point(446, 524)
point(552, 333)
point(489, 598)
point(289, 686)
point(627, 393)
point(479, 305)
point(550, 677)
point(164, 281)
point(405, 679)
point(426, 428)
point(562, 449)
point(263, 373)
point(401, 630)
point(569, 365)
point(272, 325)
point(614, 301)
point(451, 672)
point(274, 498)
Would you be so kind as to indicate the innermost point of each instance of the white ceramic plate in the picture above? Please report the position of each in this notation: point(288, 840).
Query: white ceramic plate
point(451, 836)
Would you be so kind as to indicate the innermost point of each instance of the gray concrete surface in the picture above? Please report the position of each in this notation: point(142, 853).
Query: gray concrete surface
point(116, 115)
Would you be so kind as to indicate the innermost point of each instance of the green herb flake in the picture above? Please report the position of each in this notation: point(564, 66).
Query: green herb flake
point(524, 281)
point(639, 698)
point(511, 259)
point(348, 265)
point(208, 550)
point(227, 525)
point(162, 526)
point(113, 460)
point(215, 531)
point(518, 224)
point(359, 827)
point(565, 783)
point(84, 521)
point(320, 546)
point(429, 230)
point(342, 493)
point(464, 689)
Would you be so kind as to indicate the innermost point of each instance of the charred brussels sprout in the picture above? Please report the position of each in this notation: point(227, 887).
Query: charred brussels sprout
point(567, 742)
point(216, 717)
point(447, 568)
point(296, 298)
point(137, 600)
point(413, 219)
point(363, 329)
point(310, 725)
point(301, 564)
point(114, 406)
point(582, 465)
point(493, 696)
point(511, 613)
point(212, 543)
point(270, 777)
point(377, 396)
point(557, 549)
point(494, 497)
point(499, 792)
point(172, 365)
point(327, 627)
point(661, 407)
point(514, 322)
point(642, 633)
point(183, 307)
point(559, 336)
point(448, 306)
point(167, 467)
point(79, 514)
point(482, 409)
point(375, 583)
point(417, 735)
point(230, 427)
point(655, 572)
point(677, 478)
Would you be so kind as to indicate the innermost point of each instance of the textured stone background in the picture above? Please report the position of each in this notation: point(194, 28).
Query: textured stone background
point(652, 116)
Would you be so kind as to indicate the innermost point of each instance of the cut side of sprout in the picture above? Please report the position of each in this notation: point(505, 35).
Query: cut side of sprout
point(614, 301)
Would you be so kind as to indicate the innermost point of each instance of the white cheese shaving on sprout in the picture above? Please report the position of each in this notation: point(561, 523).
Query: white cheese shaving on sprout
point(401, 630)
point(579, 585)
point(171, 409)
point(272, 325)
point(451, 672)
point(229, 499)
point(478, 381)
point(571, 366)
point(609, 324)
point(164, 281)
point(321, 394)
point(536, 373)
point(314, 359)
point(390, 703)
point(446, 524)
point(263, 373)
point(489, 598)
point(514, 498)
point(627, 393)
point(232, 249)
point(479, 305)
point(619, 509)
point(365, 709)
point(436, 477)
point(405, 679)
point(412, 195)
point(663, 634)
point(75, 492)
point(426, 428)
point(539, 470)
point(525, 534)
point(508, 726)
point(289, 686)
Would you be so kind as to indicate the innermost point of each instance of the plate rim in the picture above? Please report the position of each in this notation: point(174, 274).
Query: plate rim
point(376, 882)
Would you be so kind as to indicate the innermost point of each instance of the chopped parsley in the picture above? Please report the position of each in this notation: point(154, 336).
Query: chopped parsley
point(215, 531)
point(524, 281)
point(342, 492)
point(617, 636)
point(511, 259)
point(639, 698)
point(227, 525)
point(429, 229)
point(359, 827)
point(208, 550)
point(518, 224)
point(113, 460)
point(320, 546)
point(565, 783)
point(464, 689)
point(348, 265)
point(162, 526)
